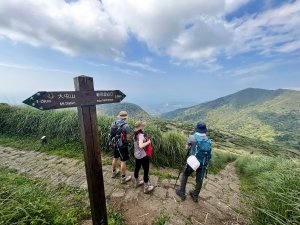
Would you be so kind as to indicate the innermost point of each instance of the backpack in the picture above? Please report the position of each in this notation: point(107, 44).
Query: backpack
point(116, 137)
point(203, 149)
point(201, 154)
point(149, 148)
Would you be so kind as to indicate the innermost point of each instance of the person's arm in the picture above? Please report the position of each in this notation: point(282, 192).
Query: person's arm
point(143, 144)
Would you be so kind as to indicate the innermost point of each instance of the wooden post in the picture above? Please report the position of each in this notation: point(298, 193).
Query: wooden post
point(92, 156)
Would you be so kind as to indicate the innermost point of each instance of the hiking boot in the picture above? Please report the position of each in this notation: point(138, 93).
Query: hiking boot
point(125, 179)
point(148, 187)
point(115, 173)
point(137, 182)
point(195, 198)
point(180, 194)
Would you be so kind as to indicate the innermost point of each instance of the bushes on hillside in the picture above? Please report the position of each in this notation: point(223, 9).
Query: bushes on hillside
point(62, 125)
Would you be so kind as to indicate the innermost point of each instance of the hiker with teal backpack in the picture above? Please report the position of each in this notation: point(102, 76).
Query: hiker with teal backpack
point(199, 154)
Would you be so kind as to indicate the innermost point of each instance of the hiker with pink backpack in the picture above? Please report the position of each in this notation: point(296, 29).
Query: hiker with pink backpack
point(142, 152)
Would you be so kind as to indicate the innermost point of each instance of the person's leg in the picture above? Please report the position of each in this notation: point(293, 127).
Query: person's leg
point(199, 181)
point(146, 165)
point(125, 156)
point(138, 164)
point(123, 168)
point(115, 160)
point(114, 163)
point(147, 186)
point(136, 181)
point(186, 173)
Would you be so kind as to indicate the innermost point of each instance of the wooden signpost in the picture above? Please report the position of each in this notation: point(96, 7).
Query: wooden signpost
point(85, 98)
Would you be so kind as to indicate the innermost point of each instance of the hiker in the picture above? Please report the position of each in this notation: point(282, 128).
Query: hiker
point(141, 157)
point(119, 139)
point(199, 152)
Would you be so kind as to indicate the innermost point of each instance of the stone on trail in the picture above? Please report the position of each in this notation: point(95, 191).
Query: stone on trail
point(118, 193)
point(160, 193)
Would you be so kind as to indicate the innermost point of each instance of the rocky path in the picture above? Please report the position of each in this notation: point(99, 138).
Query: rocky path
point(219, 199)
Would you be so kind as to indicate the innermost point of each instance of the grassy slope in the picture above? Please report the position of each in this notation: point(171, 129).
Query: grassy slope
point(24, 200)
point(267, 115)
point(271, 187)
point(27, 201)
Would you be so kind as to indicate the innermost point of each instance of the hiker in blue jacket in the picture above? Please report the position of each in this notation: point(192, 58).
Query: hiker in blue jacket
point(199, 152)
point(121, 152)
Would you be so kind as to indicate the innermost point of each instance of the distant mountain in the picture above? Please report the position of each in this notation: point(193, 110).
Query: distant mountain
point(158, 108)
point(113, 109)
point(269, 115)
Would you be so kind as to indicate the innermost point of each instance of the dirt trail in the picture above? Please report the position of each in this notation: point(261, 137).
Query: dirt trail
point(219, 199)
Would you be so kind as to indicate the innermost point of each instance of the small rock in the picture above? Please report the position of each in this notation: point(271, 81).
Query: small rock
point(131, 195)
point(118, 193)
point(160, 193)
point(154, 180)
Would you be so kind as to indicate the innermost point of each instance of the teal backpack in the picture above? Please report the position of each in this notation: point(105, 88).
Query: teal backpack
point(202, 150)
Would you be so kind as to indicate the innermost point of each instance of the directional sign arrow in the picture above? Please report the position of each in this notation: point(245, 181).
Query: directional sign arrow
point(64, 99)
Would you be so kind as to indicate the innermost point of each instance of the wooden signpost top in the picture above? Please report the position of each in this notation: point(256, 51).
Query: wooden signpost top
point(64, 99)
point(85, 99)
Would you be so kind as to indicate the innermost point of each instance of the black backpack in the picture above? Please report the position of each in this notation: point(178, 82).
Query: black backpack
point(116, 137)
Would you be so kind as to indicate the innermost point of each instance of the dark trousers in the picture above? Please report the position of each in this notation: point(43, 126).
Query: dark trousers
point(199, 179)
point(145, 162)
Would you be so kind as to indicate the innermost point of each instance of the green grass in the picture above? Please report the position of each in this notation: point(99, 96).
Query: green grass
point(219, 160)
point(162, 220)
point(24, 200)
point(115, 217)
point(162, 175)
point(27, 201)
point(55, 146)
point(271, 187)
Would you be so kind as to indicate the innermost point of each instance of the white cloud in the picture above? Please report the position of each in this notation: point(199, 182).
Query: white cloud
point(232, 5)
point(168, 26)
point(202, 40)
point(73, 28)
point(275, 30)
point(194, 30)
point(129, 72)
point(148, 60)
point(140, 66)
point(29, 67)
point(198, 31)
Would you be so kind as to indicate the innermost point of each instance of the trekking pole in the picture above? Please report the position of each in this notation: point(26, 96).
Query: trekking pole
point(177, 179)
point(182, 169)
point(206, 171)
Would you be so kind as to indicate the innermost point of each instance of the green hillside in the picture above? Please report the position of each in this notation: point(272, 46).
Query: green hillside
point(113, 110)
point(270, 115)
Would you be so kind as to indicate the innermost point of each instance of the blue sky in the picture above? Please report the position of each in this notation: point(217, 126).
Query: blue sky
point(154, 51)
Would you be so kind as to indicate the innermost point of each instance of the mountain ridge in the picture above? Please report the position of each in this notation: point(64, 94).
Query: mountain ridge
point(133, 110)
point(270, 115)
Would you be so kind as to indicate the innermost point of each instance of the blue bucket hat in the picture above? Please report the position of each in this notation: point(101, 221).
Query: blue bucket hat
point(201, 128)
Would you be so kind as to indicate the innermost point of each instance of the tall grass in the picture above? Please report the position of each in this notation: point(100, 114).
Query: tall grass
point(27, 201)
point(272, 187)
point(61, 126)
point(24, 200)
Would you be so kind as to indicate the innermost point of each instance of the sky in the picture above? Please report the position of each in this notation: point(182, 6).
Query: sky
point(152, 50)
